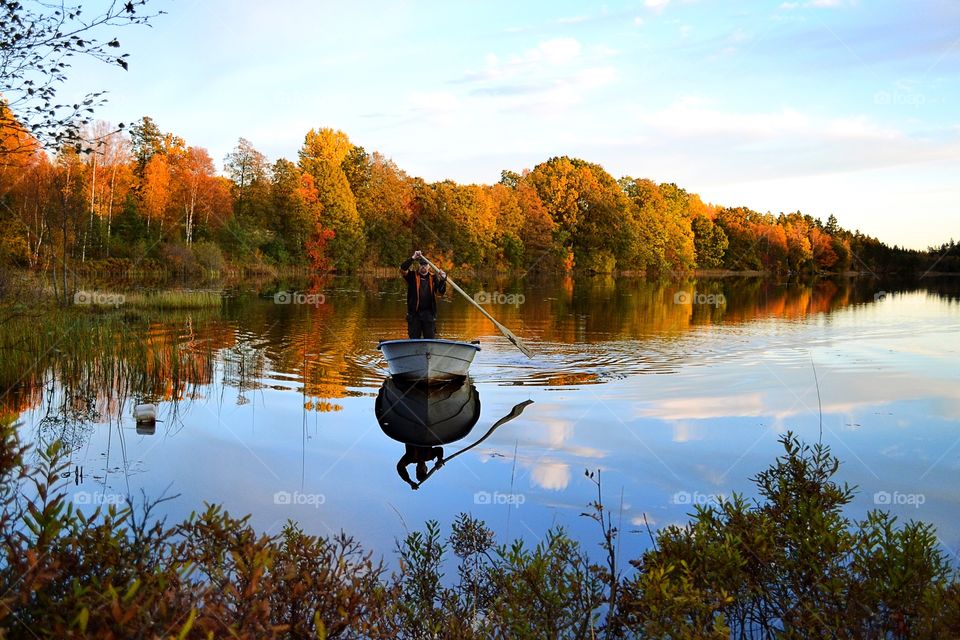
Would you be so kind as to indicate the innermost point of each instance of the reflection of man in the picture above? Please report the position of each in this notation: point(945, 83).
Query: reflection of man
point(421, 456)
point(422, 291)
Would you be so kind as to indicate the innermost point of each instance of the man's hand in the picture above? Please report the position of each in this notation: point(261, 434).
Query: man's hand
point(417, 254)
point(442, 274)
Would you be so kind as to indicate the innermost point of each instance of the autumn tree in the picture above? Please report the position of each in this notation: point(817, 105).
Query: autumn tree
point(67, 214)
point(109, 178)
point(588, 208)
point(770, 243)
point(193, 175)
point(797, 228)
point(385, 202)
point(321, 157)
point(508, 229)
point(682, 207)
point(538, 229)
point(646, 233)
point(22, 163)
point(146, 141)
point(738, 225)
point(155, 190)
point(821, 246)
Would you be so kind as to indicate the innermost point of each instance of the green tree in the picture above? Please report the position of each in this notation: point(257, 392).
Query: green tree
point(738, 225)
point(291, 217)
point(147, 141)
point(321, 157)
point(710, 242)
point(249, 171)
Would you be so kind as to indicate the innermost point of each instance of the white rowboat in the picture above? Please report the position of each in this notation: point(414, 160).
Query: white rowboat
point(429, 361)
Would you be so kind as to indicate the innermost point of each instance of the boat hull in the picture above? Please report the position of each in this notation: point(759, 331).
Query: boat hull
point(428, 360)
point(427, 415)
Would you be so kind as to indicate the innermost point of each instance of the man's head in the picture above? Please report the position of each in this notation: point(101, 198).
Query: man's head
point(424, 269)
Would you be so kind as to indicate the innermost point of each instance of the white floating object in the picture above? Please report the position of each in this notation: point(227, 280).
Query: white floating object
point(145, 412)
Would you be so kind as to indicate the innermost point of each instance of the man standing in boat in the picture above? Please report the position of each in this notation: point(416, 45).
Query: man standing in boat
point(422, 291)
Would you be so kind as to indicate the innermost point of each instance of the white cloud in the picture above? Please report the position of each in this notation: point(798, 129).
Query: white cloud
point(545, 80)
point(693, 117)
point(657, 5)
point(690, 117)
point(557, 51)
point(594, 77)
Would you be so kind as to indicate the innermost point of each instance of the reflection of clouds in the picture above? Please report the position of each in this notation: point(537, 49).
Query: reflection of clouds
point(795, 397)
point(686, 432)
point(705, 407)
point(558, 431)
point(550, 474)
point(555, 434)
point(713, 476)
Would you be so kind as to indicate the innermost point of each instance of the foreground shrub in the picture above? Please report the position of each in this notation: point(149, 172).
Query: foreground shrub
point(789, 565)
point(208, 256)
point(793, 566)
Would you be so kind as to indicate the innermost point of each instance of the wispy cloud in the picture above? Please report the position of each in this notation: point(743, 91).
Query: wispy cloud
point(551, 76)
point(817, 4)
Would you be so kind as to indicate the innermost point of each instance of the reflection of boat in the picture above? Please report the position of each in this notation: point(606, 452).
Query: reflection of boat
point(428, 360)
point(427, 416)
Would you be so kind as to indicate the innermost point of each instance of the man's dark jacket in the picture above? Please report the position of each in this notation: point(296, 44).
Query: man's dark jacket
point(437, 285)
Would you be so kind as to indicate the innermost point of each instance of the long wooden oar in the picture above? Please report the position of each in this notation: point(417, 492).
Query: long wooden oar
point(509, 335)
point(516, 411)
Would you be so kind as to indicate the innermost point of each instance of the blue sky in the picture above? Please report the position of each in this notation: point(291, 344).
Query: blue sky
point(826, 106)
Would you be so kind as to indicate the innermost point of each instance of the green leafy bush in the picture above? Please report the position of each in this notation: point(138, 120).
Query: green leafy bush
point(208, 256)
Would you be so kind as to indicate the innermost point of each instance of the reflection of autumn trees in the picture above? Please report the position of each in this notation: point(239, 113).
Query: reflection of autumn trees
point(312, 345)
point(96, 363)
point(94, 366)
point(90, 366)
point(603, 308)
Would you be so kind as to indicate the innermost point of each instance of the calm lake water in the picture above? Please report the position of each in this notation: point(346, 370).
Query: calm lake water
point(677, 392)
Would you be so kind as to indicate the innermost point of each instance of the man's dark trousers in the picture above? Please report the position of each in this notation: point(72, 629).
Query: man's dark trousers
point(422, 324)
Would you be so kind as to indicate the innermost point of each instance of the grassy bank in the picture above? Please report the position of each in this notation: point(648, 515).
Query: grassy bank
point(163, 299)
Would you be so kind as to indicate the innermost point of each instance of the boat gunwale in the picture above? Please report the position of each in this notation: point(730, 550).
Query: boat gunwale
point(425, 341)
